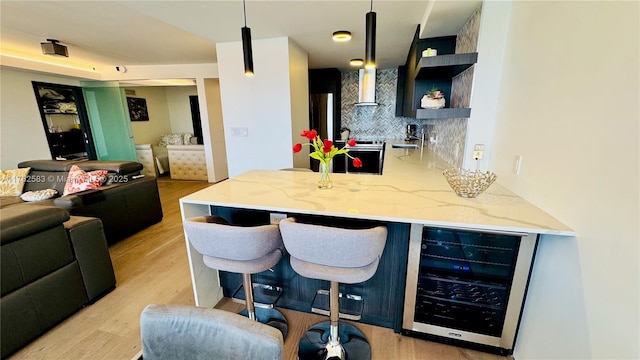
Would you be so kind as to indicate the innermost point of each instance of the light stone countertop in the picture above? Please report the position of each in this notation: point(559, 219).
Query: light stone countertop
point(412, 189)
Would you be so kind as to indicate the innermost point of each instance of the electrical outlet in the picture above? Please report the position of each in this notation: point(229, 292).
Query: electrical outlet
point(274, 218)
point(478, 151)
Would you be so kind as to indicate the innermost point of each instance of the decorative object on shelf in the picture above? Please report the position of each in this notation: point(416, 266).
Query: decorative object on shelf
point(370, 43)
point(246, 44)
point(469, 183)
point(324, 151)
point(430, 52)
point(434, 99)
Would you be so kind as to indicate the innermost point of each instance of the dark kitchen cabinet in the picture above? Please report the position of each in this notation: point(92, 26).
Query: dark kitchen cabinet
point(327, 81)
point(421, 74)
point(325, 88)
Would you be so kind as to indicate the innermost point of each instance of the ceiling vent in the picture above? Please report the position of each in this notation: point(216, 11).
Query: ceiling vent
point(367, 87)
point(53, 48)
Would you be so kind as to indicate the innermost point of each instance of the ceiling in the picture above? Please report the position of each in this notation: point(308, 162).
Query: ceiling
point(108, 33)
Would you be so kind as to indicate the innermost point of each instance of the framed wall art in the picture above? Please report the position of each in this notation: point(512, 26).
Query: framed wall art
point(137, 109)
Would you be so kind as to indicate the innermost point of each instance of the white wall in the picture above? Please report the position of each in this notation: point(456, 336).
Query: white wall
point(180, 108)
point(22, 135)
point(299, 83)
point(212, 129)
point(149, 132)
point(568, 103)
point(260, 103)
point(494, 22)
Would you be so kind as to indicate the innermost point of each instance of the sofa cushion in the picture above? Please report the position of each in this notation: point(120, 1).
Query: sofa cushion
point(49, 165)
point(171, 139)
point(12, 181)
point(10, 200)
point(30, 311)
point(117, 167)
point(90, 248)
point(25, 219)
point(33, 257)
point(79, 180)
point(39, 195)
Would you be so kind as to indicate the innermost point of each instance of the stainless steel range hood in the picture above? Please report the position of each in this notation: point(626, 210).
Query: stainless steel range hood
point(367, 87)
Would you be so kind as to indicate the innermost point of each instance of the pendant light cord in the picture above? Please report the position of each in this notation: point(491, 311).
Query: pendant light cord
point(244, 9)
point(371, 5)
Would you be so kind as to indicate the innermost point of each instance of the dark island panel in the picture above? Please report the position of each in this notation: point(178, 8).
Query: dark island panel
point(383, 294)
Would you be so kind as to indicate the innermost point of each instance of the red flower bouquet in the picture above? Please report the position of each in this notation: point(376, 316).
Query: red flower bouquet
point(324, 151)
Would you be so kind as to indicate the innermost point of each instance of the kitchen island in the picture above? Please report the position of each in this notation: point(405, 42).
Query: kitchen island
point(412, 189)
point(411, 193)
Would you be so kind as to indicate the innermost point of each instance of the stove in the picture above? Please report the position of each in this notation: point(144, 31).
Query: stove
point(373, 145)
point(371, 152)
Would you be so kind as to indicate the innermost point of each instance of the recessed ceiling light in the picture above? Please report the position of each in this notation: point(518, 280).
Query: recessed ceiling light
point(341, 36)
point(356, 62)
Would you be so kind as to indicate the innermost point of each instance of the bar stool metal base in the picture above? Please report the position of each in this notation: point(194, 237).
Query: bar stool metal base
point(350, 305)
point(271, 317)
point(314, 342)
point(264, 296)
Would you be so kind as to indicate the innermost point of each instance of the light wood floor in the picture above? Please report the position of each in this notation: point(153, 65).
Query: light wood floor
point(151, 267)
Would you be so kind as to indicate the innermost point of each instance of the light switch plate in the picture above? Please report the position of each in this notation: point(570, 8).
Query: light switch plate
point(239, 132)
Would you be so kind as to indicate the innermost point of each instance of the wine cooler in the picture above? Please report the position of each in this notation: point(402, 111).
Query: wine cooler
point(467, 287)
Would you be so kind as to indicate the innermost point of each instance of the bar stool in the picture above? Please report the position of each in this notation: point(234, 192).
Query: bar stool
point(240, 249)
point(339, 256)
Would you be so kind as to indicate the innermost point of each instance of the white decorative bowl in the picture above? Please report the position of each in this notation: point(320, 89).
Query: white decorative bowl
point(469, 183)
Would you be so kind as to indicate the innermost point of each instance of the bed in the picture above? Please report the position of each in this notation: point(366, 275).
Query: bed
point(176, 154)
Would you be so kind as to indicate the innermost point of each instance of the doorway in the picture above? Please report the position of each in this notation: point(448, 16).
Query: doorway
point(195, 118)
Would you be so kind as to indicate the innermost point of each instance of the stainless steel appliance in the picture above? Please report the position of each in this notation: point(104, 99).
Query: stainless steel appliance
point(370, 152)
point(467, 287)
point(321, 119)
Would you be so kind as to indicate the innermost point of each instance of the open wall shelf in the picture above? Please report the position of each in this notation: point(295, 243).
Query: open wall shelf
point(421, 74)
point(444, 113)
point(444, 65)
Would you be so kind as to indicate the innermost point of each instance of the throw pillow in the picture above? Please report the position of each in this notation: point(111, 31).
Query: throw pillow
point(39, 195)
point(79, 180)
point(171, 139)
point(186, 138)
point(12, 181)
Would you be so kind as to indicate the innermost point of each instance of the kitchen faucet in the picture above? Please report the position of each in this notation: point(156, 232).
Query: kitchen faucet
point(411, 137)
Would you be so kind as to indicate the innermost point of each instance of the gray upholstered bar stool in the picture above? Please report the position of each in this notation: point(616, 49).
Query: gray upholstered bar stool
point(240, 249)
point(340, 256)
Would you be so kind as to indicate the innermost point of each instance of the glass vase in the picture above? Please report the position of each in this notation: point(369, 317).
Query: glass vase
point(325, 180)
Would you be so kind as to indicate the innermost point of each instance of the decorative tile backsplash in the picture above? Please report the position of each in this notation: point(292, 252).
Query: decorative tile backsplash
point(373, 122)
point(379, 122)
point(467, 40)
point(452, 132)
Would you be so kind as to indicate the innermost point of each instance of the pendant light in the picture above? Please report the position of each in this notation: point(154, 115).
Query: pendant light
point(370, 45)
point(246, 44)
